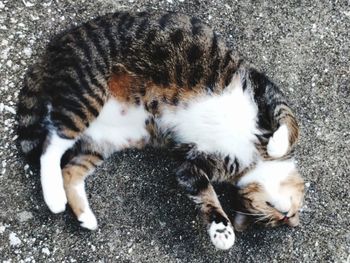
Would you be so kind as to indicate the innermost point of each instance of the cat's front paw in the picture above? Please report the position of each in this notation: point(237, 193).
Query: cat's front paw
point(88, 220)
point(279, 143)
point(221, 236)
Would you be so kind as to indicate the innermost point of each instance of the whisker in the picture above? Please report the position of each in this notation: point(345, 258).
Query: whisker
point(271, 221)
point(269, 217)
point(262, 218)
point(249, 214)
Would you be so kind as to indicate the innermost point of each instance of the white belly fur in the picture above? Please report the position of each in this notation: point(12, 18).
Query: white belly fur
point(223, 124)
point(118, 124)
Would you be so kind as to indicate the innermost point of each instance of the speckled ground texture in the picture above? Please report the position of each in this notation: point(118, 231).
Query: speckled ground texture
point(302, 45)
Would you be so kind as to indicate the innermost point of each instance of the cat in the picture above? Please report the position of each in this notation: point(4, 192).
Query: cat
point(127, 80)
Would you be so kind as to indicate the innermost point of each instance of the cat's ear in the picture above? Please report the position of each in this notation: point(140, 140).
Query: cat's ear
point(241, 222)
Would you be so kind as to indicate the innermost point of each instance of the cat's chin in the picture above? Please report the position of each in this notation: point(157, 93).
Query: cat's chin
point(294, 221)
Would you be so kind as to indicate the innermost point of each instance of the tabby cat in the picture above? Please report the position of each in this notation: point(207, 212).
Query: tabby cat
point(126, 80)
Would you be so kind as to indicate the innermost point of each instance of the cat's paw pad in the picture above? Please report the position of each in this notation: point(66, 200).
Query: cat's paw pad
point(279, 143)
point(55, 198)
point(221, 236)
point(88, 220)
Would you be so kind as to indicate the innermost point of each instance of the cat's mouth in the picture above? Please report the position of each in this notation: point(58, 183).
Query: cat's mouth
point(290, 221)
point(285, 220)
point(272, 221)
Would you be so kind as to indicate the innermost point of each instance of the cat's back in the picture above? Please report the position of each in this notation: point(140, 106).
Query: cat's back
point(166, 48)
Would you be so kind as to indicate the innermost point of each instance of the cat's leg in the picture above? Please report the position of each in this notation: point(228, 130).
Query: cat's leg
point(197, 185)
point(74, 174)
point(279, 143)
point(274, 114)
point(50, 172)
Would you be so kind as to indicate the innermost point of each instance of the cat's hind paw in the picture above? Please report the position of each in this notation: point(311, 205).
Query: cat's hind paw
point(279, 143)
point(55, 198)
point(88, 220)
point(221, 236)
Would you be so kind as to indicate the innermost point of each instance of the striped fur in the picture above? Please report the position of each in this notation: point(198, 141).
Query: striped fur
point(123, 80)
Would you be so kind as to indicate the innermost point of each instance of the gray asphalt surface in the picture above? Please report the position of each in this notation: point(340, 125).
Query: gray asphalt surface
point(143, 217)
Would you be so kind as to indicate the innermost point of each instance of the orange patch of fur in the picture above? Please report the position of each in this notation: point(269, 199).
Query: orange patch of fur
point(125, 85)
point(73, 175)
point(120, 85)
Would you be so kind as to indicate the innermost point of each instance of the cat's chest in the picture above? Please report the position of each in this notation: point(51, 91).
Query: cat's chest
point(223, 123)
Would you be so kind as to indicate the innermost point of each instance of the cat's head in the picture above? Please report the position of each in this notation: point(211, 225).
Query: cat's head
point(273, 193)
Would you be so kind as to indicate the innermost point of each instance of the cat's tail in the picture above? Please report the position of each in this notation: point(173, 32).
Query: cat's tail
point(31, 114)
point(275, 115)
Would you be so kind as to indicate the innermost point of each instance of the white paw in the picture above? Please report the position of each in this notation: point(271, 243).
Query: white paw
point(88, 220)
point(54, 195)
point(279, 143)
point(221, 236)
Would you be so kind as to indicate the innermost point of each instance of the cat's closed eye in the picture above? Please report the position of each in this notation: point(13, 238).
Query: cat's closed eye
point(269, 204)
